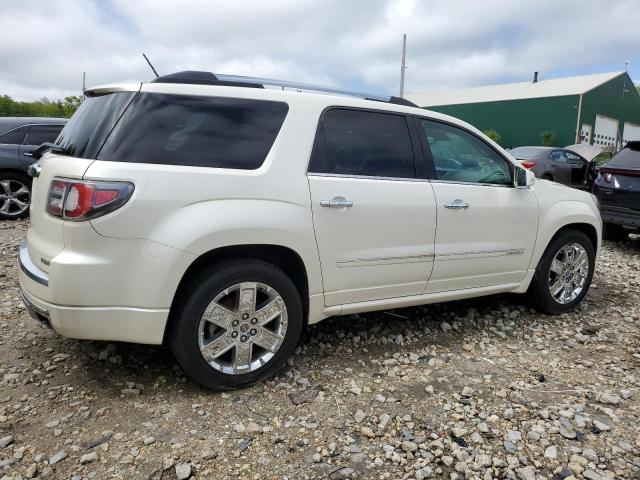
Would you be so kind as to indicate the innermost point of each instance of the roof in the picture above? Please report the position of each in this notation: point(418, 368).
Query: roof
point(554, 87)
point(194, 77)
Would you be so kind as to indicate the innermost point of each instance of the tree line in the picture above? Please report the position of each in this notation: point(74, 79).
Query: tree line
point(40, 108)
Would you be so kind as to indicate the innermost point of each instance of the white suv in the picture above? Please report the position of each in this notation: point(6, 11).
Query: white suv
point(222, 218)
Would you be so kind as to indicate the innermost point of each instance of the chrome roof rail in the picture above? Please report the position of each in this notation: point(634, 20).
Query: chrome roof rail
point(208, 78)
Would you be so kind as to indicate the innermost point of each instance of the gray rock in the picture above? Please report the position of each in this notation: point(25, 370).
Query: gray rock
point(591, 475)
point(6, 441)
point(604, 427)
point(510, 447)
point(551, 452)
point(409, 446)
point(514, 436)
point(590, 454)
point(609, 398)
point(359, 416)
point(58, 457)
point(468, 391)
point(89, 458)
point(527, 473)
point(183, 471)
point(568, 433)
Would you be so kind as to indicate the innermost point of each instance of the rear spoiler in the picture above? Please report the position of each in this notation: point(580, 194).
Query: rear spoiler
point(107, 89)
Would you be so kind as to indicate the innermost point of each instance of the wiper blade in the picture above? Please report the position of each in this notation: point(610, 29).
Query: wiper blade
point(46, 147)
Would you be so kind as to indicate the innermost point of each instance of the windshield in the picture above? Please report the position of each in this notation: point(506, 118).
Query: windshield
point(525, 153)
point(89, 127)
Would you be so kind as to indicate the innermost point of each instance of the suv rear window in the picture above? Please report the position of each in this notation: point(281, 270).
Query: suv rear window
point(196, 131)
point(90, 125)
point(628, 157)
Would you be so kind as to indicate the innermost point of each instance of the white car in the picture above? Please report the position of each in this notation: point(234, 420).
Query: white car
point(222, 218)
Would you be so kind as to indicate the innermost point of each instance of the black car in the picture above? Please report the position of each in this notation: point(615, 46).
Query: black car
point(19, 137)
point(618, 190)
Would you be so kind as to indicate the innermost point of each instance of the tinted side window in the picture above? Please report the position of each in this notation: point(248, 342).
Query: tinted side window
point(42, 133)
point(460, 156)
point(88, 128)
point(365, 143)
point(196, 130)
point(14, 137)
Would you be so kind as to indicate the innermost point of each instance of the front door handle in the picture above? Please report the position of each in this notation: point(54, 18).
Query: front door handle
point(28, 154)
point(457, 204)
point(336, 202)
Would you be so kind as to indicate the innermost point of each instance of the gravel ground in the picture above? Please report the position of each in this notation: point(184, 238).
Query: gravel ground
point(476, 390)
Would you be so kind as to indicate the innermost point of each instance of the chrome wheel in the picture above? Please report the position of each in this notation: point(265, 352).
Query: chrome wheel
point(242, 328)
point(14, 197)
point(568, 273)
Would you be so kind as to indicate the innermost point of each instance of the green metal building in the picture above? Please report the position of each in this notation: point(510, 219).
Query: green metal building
point(601, 109)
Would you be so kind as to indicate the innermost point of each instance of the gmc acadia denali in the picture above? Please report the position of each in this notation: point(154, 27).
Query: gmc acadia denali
point(221, 216)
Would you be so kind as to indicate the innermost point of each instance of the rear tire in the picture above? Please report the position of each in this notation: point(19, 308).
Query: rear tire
point(223, 315)
point(15, 195)
point(614, 233)
point(558, 268)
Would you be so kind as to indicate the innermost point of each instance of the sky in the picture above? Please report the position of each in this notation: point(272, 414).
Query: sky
point(45, 46)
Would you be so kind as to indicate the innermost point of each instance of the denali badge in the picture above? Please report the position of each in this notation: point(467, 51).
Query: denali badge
point(45, 261)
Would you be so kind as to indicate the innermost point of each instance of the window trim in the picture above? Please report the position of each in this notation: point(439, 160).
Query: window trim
point(418, 159)
point(431, 169)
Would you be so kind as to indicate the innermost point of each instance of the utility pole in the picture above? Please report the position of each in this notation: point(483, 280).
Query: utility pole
point(403, 65)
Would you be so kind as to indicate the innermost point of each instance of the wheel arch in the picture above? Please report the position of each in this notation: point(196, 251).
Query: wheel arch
point(285, 258)
point(16, 171)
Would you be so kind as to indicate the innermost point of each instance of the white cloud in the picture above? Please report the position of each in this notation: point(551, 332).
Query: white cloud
point(45, 46)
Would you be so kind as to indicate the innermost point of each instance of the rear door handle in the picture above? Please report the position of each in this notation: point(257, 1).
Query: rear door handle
point(456, 204)
point(336, 202)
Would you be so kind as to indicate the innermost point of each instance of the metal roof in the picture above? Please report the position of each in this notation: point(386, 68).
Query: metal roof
point(554, 87)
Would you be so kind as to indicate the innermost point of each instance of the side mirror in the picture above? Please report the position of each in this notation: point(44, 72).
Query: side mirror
point(524, 178)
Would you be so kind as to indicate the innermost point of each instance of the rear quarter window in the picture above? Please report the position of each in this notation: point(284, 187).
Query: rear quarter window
point(14, 137)
point(85, 133)
point(196, 131)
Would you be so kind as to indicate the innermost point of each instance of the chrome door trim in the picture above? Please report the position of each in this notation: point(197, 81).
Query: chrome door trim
point(480, 253)
point(366, 177)
point(365, 262)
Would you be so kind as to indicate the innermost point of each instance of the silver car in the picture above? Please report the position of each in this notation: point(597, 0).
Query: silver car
point(561, 165)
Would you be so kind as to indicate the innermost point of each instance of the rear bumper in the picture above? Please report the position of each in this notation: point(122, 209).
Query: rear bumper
point(114, 323)
point(620, 216)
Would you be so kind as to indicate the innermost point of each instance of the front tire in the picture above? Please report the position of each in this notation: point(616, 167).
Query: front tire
point(237, 324)
point(15, 196)
point(564, 273)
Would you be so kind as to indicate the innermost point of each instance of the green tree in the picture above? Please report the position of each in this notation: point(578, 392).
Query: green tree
point(493, 134)
point(547, 138)
point(40, 108)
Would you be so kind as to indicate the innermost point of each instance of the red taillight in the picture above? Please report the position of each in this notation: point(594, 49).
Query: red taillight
point(79, 200)
point(528, 164)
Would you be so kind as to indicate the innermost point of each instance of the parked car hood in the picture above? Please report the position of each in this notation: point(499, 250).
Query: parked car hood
point(586, 151)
